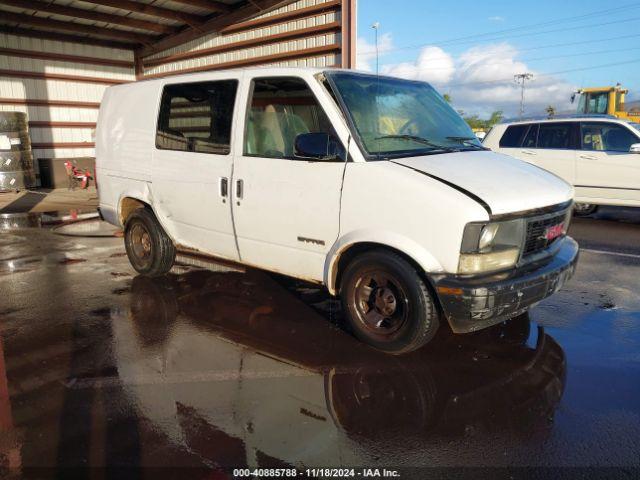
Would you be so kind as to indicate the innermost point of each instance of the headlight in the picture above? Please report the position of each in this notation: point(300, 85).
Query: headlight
point(487, 236)
point(488, 247)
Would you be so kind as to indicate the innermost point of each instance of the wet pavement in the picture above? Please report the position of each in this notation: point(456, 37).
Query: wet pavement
point(199, 372)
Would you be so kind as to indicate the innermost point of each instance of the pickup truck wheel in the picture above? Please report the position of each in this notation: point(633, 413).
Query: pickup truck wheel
point(387, 303)
point(150, 251)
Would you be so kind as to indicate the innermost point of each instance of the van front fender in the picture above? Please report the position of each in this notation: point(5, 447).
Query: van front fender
point(382, 238)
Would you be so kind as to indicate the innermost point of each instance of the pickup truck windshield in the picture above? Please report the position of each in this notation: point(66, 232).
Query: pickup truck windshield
point(399, 118)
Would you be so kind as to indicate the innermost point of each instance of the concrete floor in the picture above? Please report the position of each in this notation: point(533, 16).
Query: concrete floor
point(43, 200)
point(212, 370)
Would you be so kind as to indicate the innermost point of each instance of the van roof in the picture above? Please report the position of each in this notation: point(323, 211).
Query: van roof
point(217, 73)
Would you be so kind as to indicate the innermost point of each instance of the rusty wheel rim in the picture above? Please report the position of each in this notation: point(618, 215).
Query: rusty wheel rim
point(381, 304)
point(141, 245)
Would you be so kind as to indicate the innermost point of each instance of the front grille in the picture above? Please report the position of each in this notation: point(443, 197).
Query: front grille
point(535, 239)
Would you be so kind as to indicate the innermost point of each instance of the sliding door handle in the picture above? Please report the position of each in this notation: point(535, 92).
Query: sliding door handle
point(223, 187)
point(588, 157)
point(239, 189)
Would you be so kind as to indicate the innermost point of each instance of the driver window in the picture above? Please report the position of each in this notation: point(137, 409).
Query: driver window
point(281, 108)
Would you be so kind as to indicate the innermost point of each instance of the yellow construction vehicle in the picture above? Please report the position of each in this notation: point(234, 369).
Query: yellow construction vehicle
point(606, 101)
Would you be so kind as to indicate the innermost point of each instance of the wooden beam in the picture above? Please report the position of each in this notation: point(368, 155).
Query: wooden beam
point(63, 37)
point(34, 102)
point(59, 57)
point(150, 10)
point(276, 57)
point(253, 42)
point(283, 17)
point(138, 66)
point(37, 124)
point(59, 76)
point(211, 5)
point(90, 15)
point(75, 27)
point(216, 24)
point(42, 146)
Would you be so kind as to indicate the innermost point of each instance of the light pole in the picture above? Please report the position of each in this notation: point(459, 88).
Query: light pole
point(375, 27)
point(521, 79)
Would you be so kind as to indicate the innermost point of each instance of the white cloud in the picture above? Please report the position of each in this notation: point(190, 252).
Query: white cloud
point(496, 18)
point(366, 58)
point(432, 65)
point(480, 79)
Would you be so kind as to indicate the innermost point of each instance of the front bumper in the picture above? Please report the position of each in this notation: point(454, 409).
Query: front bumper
point(471, 304)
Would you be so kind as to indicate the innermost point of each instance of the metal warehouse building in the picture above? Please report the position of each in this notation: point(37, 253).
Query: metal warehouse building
point(58, 56)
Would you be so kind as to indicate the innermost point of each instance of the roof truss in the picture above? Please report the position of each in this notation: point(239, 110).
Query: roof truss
point(157, 29)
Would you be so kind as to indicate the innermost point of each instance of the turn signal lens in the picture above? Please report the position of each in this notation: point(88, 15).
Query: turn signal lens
point(471, 263)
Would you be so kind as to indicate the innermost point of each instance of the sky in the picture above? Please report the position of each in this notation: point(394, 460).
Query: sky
point(471, 50)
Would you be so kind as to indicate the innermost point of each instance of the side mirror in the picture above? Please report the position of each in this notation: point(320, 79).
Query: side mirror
point(317, 146)
point(635, 148)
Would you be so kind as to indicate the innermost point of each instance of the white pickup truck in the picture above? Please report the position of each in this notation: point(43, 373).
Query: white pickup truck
point(372, 186)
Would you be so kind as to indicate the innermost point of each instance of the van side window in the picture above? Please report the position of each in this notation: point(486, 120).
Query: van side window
point(606, 137)
point(513, 136)
point(197, 117)
point(556, 136)
point(282, 108)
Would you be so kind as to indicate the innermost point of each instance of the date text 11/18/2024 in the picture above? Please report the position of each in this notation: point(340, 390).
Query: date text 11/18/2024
point(315, 473)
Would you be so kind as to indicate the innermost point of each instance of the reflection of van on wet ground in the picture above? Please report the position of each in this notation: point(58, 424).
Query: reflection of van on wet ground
point(371, 186)
point(239, 371)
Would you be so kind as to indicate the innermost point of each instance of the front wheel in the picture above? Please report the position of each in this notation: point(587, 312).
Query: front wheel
point(387, 303)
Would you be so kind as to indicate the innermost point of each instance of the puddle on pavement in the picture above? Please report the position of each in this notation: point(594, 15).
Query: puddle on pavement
point(14, 221)
point(234, 353)
point(88, 228)
point(232, 370)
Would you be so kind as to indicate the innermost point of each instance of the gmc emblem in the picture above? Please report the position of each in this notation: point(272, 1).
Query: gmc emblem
point(554, 232)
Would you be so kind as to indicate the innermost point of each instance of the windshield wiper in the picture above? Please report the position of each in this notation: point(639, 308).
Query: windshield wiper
point(466, 140)
point(415, 138)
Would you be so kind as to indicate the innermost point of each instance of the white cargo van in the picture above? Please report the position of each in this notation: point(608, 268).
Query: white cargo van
point(372, 186)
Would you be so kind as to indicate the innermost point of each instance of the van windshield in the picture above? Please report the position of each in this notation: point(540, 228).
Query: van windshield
point(399, 118)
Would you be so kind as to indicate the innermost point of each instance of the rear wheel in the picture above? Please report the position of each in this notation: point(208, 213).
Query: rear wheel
point(583, 209)
point(387, 303)
point(150, 250)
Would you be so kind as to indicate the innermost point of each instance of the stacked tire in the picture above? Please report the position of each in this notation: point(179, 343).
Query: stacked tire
point(16, 157)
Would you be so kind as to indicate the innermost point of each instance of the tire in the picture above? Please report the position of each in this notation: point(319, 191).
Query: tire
point(584, 209)
point(150, 251)
point(387, 303)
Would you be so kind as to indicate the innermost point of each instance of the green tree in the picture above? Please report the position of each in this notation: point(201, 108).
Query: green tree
point(551, 111)
point(496, 117)
point(476, 122)
point(447, 97)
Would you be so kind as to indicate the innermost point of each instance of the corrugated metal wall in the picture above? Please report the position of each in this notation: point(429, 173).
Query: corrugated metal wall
point(60, 93)
point(60, 84)
point(275, 38)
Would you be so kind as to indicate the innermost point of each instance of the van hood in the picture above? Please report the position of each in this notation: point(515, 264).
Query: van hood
point(503, 183)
